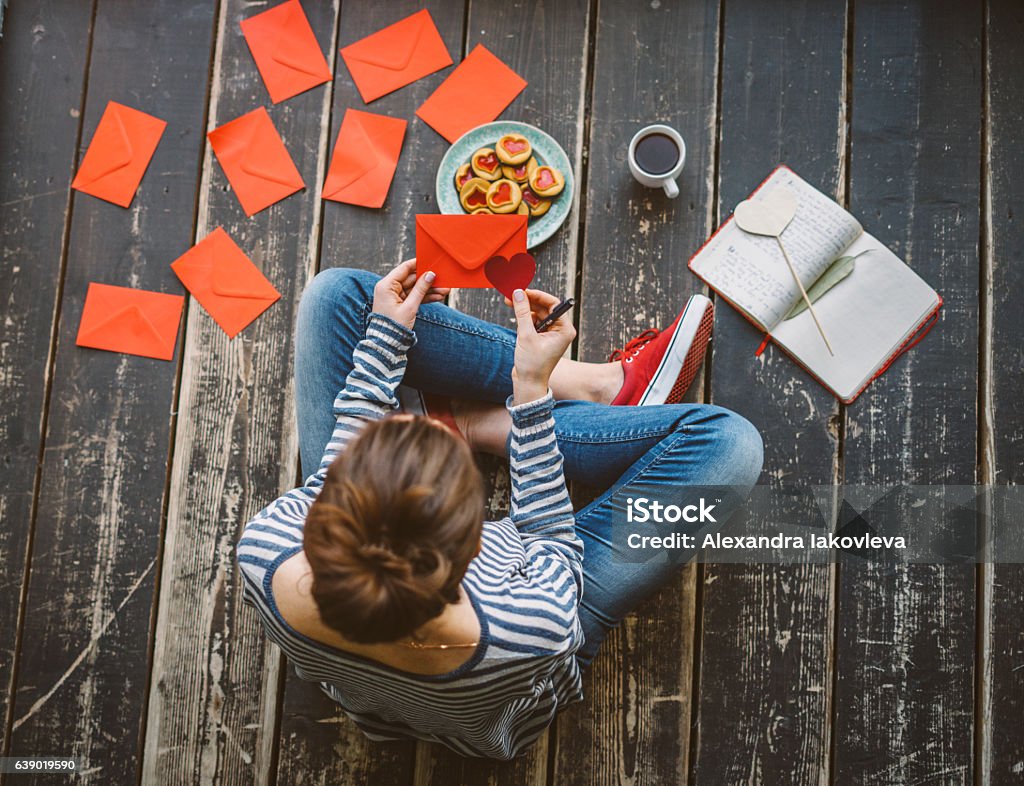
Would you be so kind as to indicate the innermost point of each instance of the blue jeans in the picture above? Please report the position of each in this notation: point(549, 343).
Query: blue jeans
point(672, 445)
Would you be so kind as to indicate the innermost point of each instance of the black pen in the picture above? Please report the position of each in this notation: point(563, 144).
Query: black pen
point(560, 309)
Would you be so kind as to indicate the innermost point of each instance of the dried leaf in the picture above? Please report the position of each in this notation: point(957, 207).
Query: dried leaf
point(835, 273)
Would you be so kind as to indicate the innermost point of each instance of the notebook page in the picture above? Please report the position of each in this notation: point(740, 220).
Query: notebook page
point(750, 270)
point(866, 317)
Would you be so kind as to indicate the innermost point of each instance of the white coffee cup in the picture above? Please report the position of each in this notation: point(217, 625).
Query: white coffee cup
point(665, 180)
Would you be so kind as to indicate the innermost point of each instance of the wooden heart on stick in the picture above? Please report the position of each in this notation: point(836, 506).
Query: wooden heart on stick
point(769, 215)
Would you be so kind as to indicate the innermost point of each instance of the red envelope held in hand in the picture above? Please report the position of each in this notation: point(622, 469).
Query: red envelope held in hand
point(457, 248)
point(476, 92)
point(120, 151)
point(225, 281)
point(396, 56)
point(285, 50)
point(365, 157)
point(133, 321)
point(255, 160)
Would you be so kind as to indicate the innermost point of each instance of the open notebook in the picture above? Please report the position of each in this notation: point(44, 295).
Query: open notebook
point(871, 316)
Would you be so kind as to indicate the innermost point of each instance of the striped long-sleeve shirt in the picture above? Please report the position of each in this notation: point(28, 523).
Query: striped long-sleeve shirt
point(525, 586)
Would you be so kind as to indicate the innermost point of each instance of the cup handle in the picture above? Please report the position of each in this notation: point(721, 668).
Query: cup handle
point(671, 189)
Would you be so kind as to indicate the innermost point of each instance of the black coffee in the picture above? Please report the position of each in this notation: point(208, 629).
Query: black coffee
point(656, 153)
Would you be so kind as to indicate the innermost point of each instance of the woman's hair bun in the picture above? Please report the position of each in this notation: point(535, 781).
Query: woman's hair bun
point(382, 559)
point(395, 526)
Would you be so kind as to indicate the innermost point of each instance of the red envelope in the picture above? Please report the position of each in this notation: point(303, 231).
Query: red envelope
point(285, 50)
point(118, 154)
point(134, 321)
point(396, 56)
point(255, 160)
point(365, 157)
point(457, 247)
point(476, 92)
point(225, 281)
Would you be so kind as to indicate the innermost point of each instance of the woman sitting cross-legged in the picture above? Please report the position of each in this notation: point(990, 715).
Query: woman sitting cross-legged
point(379, 577)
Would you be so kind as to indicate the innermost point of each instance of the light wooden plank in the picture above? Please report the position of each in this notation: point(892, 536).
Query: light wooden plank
point(215, 680)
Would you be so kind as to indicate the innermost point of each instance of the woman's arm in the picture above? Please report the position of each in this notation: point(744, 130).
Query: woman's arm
point(541, 508)
point(379, 363)
point(379, 359)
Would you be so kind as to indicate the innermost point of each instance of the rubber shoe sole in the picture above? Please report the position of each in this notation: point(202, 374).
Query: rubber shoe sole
point(684, 356)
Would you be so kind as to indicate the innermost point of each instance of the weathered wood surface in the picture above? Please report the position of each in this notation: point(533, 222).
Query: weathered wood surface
point(906, 634)
point(634, 726)
point(221, 707)
point(1002, 756)
point(319, 744)
point(46, 50)
point(214, 706)
point(766, 630)
point(84, 655)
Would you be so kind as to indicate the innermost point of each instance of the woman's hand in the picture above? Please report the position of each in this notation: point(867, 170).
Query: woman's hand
point(537, 354)
point(398, 295)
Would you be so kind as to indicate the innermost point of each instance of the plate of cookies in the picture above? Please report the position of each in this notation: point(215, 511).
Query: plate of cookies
point(508, 167)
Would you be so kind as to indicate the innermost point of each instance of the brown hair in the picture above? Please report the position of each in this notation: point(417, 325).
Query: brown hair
point(394, 528)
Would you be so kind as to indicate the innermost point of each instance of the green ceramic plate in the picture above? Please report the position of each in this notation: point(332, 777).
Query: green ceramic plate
point(545, 149)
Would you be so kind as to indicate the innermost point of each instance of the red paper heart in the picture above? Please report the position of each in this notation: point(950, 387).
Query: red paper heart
point(508, 275)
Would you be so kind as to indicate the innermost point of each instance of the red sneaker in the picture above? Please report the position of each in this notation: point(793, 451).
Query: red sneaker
point(659, 367)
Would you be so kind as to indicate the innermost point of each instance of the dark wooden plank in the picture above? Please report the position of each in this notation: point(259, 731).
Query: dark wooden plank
point(652, 62)
point(378, 239)
point(216, 681)
point(546, 42)
point(763, 712)
point(45, 54)
point(1002, 760)
point(319, 744)
point(83, 664)
point(906, 634)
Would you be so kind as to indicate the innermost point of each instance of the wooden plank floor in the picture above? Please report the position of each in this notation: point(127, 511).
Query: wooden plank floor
point(124, 481)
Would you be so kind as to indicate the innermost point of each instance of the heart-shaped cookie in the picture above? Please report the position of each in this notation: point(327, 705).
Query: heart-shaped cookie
point(485, 164)
point(546, 181)
point(473, 194)
point(512, 145)
point(507, 275)
point(513, 149)
point(768, 215)
point(504, 196)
